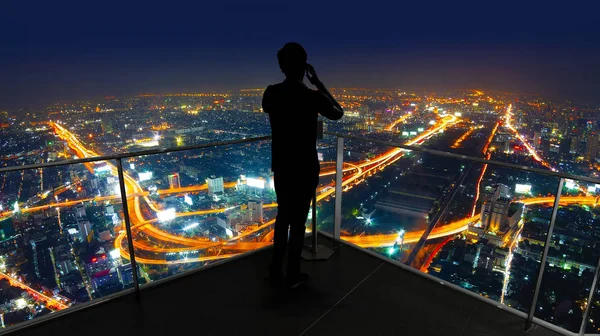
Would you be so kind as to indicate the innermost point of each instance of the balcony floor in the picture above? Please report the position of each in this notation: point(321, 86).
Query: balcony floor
point(352, 293)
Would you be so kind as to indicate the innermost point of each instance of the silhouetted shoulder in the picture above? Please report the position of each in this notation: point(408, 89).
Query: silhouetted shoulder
point(268, 97)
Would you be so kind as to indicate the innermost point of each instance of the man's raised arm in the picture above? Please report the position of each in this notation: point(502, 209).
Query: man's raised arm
point(334, 113)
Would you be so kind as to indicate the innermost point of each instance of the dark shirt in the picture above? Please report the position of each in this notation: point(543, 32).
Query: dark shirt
point(293, 109)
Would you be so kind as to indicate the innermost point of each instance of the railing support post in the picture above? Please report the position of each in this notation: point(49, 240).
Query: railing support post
point(136, 283)
point(590, 299)
point(536, 293)
point(339, 174)
point(316, 251)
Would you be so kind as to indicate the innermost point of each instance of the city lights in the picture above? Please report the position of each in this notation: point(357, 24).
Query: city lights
point(255, 183)
point(190, 226)
point(187, 209)
point(166, 215)
point(522, 188)
point(145, 176)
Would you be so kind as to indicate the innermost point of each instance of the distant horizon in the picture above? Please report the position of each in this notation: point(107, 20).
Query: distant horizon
point(95, 99)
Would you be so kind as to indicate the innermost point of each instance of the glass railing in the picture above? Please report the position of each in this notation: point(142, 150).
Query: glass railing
point(77, 230)
point(195, 207)
point(57, 239)
point(73, 232)
point(495, 229)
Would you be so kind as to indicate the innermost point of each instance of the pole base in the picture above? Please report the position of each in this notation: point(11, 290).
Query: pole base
point(322, 253)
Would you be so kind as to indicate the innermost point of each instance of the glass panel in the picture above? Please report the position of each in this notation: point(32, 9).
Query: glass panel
point(572, 258)
point(195, 207)
point(593, 322)
point(487, 222)
point(162, 121)
point(58, 230)
point(499, 254)
point(326, 190)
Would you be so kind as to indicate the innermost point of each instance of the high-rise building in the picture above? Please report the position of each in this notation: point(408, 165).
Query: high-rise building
point(506, 146)
point(40, 254)
point(494, 210)
point(215, 185)
point(256, 211)
point(537, 138)
point(80, 213)
point(575, 144)
point(174, 181)
point(591, 147)
point(85, 230)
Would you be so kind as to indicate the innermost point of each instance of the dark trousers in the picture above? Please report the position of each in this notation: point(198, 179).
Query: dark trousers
point(295, 192)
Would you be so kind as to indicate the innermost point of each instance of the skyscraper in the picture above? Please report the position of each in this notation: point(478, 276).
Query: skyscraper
point(215, 185)
point(494, 210)
point(40, 254)
point(174, 181)
point(591, 147)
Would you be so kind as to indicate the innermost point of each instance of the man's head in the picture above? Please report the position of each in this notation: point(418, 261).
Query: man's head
point(292, 60)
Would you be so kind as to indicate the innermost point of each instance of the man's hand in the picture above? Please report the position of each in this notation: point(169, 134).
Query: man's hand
point(311, 74)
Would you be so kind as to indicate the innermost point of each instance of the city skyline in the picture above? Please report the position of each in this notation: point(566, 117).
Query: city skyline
point(479, 226)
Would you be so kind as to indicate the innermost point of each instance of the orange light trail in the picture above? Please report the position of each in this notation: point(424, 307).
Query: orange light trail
point(463, 137)
point(50, 302)
point(530, 149)
point(435, 251)
point(483, 170)
point(397, 121)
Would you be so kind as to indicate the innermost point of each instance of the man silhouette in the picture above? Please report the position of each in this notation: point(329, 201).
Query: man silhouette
point(293, 110)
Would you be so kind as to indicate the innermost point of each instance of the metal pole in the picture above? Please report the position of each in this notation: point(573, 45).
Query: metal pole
point(136, 284)
point(339, 172)
point(588, 308)
point(314, 223)
point(536, 293)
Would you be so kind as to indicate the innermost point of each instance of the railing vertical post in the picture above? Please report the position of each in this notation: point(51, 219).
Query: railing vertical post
point(136, 284)
point(314, 224)
point(339, 174)
point(590, 299)
point(536, 293)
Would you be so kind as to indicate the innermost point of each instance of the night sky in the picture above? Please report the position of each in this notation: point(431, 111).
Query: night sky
point(61, 50)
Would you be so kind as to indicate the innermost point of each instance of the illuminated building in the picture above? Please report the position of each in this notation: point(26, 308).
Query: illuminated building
point(85, 230)
point(256, 211)
point(591, 148)
point(215, 185)
point(125, 273)
point(494, 209)
point(499, 216)
point(537, 137)
point(174, 181)
point(97, 263)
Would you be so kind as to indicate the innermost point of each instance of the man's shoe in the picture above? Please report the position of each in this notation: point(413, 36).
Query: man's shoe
point(297, 281)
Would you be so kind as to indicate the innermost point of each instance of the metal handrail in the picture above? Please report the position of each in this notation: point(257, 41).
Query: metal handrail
point(468, 158)
point(345, 136)
point(133, 154)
